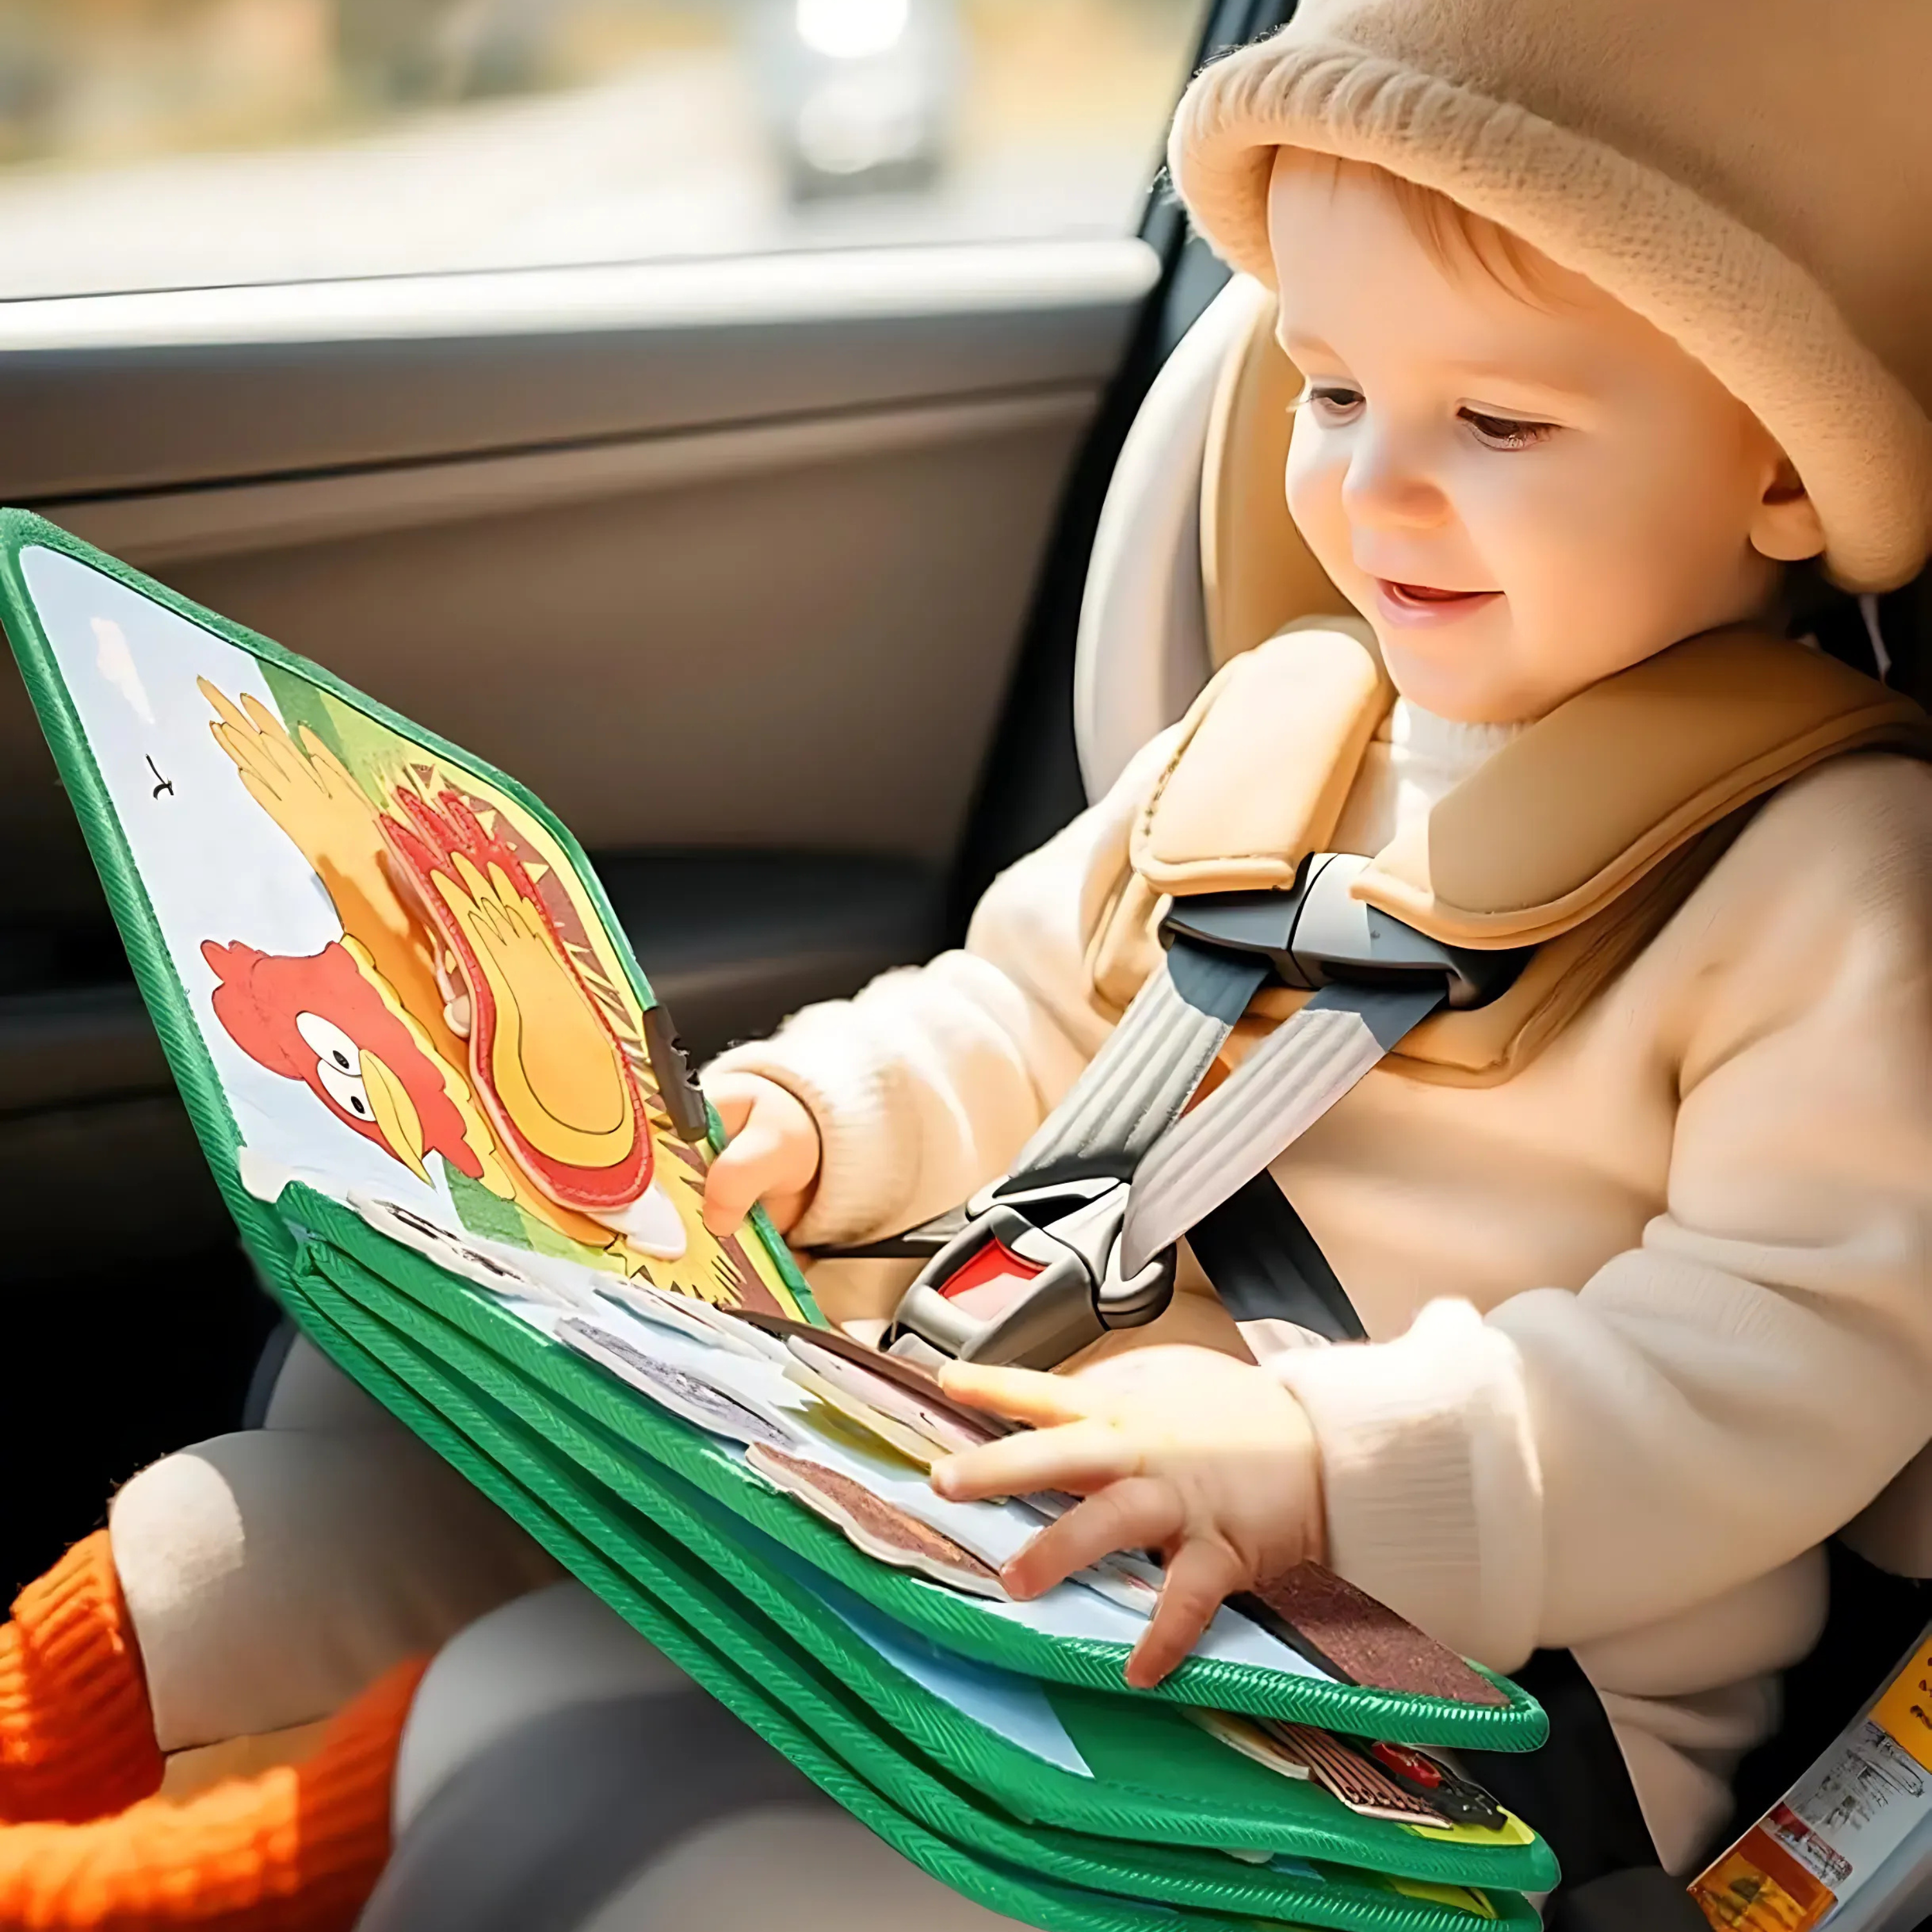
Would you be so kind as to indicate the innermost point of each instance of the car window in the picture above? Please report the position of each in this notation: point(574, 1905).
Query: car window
point(150, 144)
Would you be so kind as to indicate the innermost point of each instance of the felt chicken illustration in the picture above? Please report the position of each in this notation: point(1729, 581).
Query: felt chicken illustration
point(462, 973)
point(321, 1020)
point(544, 1063)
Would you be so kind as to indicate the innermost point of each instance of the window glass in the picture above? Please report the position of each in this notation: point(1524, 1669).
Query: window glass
point(173, 143)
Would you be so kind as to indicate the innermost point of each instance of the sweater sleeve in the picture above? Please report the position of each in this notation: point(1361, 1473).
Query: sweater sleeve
point(1594, 1457)
point(927, 1083)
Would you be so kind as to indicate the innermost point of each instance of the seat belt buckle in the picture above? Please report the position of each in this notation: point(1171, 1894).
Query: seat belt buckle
point(1318, 934)
point(1034, 1277)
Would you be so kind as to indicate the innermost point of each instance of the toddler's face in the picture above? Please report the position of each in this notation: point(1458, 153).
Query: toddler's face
point(1521, 491)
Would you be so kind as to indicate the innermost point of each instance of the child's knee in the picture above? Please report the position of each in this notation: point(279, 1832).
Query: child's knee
point(270, 1576)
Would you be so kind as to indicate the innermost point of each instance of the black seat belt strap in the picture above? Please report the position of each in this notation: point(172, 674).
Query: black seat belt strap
point(1266, 1266)
point(1576, 1791)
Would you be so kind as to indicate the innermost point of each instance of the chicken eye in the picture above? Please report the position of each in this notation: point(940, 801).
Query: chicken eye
point(329, 1043)
point(346, 1090)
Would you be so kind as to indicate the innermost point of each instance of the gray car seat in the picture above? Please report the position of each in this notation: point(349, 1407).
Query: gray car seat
point(558, 1774)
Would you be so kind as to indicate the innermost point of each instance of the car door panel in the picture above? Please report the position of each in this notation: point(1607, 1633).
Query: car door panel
point(746, 637)
point(106, 394)
point(735, 583)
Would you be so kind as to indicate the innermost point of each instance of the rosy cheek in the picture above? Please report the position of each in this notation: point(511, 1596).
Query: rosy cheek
point(1317, 469)
point(1517, 525)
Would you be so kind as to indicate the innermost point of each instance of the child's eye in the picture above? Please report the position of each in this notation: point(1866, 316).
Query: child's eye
point(1330, 402)
point(1505, 432)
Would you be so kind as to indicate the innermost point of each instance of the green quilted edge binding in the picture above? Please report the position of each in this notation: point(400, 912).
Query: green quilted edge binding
point(955, 1621)
point(815, 1680)
point(1157, 1776)
point(999, 1887)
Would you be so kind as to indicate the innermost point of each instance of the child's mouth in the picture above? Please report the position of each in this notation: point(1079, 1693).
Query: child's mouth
point(1425, 603)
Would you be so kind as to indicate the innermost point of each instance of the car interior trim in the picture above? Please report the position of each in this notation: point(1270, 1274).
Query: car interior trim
point(173, 526)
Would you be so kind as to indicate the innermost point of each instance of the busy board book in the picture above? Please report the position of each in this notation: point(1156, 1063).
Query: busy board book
point(461, 1144)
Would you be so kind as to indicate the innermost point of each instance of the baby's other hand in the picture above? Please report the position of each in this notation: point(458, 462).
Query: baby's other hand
point(1184, 1450)
point(772, 1156)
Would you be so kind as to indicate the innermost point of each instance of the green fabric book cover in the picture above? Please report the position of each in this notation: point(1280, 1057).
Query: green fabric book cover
point(413, 1040)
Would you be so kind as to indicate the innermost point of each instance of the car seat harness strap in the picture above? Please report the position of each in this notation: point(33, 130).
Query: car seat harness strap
point(1079, 1236)
point(1580, 836)
point(1136, 1086)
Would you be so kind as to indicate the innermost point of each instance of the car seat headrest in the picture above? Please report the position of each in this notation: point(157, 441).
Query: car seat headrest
point(1195, 515)
point(1257, 573)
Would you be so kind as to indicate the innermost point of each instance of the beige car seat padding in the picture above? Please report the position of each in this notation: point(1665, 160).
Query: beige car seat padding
point(1258, 574)
point(1544, 835)
point(1549, 832)
point(1264, 762)
point(1140, 656)
point(1581, 837)
point(1487, 1044)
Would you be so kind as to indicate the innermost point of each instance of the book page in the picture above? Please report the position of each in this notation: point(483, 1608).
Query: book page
point(402, 981)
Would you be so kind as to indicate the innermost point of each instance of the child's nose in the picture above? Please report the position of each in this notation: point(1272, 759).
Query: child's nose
point(1387, 487)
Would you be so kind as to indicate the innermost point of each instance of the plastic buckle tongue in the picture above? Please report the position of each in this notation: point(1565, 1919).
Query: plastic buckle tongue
point(1034, 1277)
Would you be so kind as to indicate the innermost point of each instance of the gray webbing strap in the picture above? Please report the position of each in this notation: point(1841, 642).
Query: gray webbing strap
point(1277, 1093)
point(1135, 1087)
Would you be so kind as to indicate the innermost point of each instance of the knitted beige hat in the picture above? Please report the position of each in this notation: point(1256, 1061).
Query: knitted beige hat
point(1752, 176)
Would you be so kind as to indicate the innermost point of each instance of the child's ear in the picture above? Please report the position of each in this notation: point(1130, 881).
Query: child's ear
point(1785, 526)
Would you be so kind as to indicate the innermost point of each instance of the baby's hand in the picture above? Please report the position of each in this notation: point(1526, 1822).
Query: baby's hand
point(773, 1157)
point(1208, 1459)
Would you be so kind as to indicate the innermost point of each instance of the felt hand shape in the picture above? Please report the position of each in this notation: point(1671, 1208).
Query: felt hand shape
point(1187, 1451)
point(548, 1068)
point(554, 1065)
point(308, 792)
point(304, 788)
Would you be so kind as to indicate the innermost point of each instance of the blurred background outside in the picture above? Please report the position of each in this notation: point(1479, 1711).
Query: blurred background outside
point(151, 144)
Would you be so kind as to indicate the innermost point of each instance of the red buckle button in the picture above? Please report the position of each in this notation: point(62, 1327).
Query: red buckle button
point(992, 1282)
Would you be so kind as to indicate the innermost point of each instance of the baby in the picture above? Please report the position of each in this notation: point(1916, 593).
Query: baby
point(1611, 316)
point(1647, 1317)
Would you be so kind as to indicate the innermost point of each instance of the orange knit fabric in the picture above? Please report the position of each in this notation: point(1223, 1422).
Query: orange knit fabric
point(298, 1849)
point(76, 1740)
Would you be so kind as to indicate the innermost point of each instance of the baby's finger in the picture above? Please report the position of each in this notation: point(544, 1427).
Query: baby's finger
point(740, 1175)
point(1077, 1455)
point(1138, 1514)
point(1025, 1394)
point(732, 1105)
point(1200, 1577)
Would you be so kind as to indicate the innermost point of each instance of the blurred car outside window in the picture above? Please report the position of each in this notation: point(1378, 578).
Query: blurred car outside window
point(155, 144)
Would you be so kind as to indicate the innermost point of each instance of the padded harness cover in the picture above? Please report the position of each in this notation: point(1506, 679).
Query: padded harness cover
point(1580, 837)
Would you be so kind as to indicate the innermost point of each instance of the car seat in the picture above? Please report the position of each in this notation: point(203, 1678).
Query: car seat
point(1195, 559)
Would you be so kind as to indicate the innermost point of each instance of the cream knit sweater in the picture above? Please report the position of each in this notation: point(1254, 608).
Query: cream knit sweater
point(1649, 1320)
